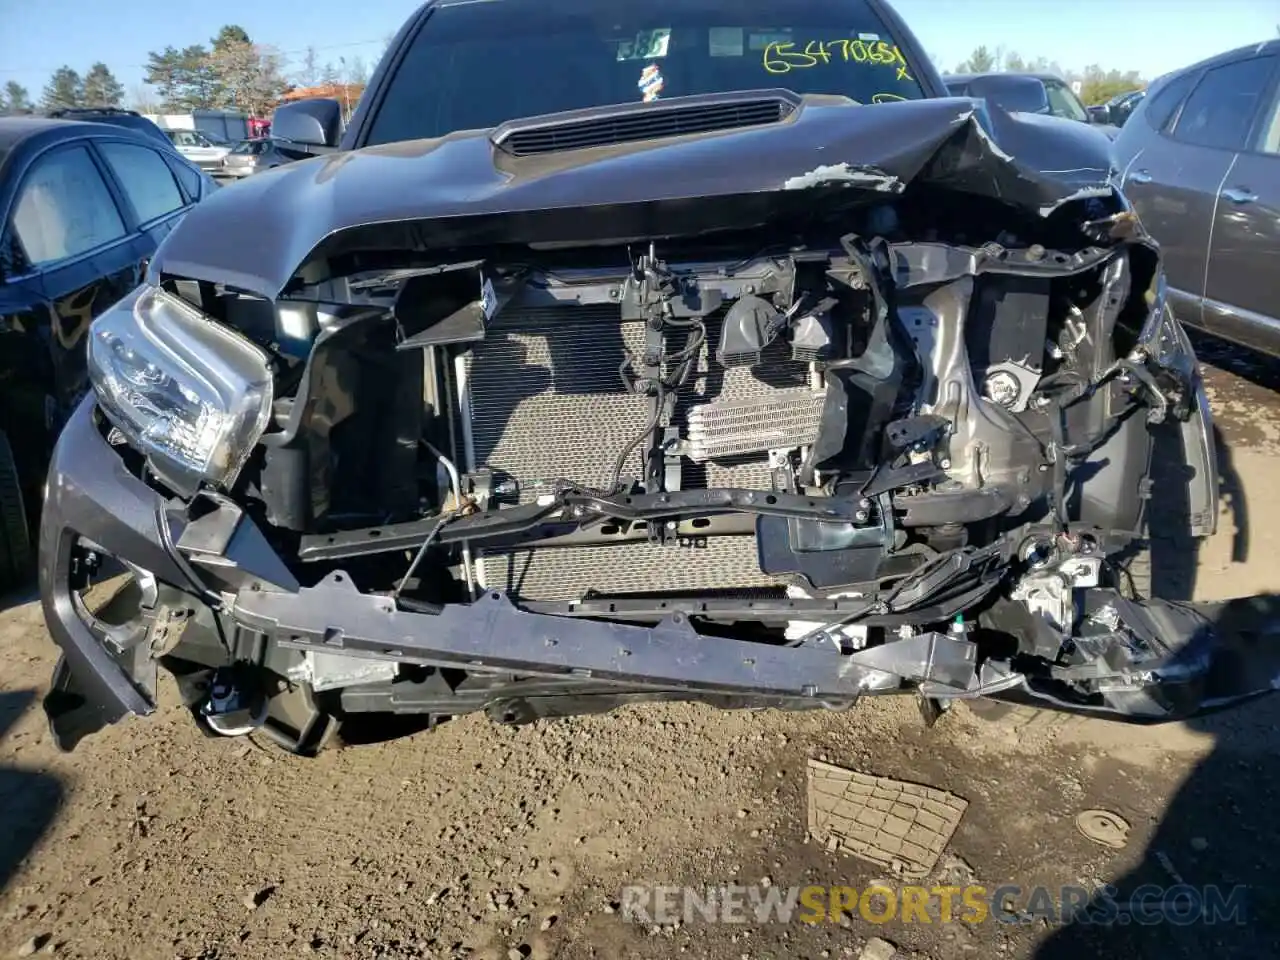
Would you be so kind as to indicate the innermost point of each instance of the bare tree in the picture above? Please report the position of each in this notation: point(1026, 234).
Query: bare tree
point(357, 71)
point(142, 99)
point(249, 77)
point(308, 74)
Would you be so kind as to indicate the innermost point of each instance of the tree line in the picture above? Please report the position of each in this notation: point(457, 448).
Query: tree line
point(65, 89)
point(230, 73)
point(1096, 84)
point(234, 73)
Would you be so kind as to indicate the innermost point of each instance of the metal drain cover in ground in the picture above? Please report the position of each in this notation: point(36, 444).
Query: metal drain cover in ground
point(894, 824)
point(1104, 827)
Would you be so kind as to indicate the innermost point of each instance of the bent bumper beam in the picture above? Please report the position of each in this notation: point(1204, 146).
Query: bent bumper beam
point(92, 495)
point(494, 635)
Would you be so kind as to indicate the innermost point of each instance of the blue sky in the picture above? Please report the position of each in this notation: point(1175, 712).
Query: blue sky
point(1151, 36)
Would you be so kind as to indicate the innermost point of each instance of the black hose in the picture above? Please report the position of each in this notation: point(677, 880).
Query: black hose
point(685, 360)
point(696, 340)
point(652, 425)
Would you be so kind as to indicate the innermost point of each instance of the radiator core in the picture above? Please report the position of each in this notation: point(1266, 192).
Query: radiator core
point(547, 403)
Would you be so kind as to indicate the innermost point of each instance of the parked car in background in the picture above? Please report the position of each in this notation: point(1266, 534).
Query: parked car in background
point(1026, 93)
point(83, 207)
point(254, 156)
point(1200, 160)
point(221, 126)
point(1118, 109)
point(130, 119)
point(199, 147)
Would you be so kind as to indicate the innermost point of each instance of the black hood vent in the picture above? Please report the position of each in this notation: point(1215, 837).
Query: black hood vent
point(628, 123)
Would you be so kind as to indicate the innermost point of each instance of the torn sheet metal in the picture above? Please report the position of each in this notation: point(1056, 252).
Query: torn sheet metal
point(462, 190)
point(903, 827)
point(868, 178)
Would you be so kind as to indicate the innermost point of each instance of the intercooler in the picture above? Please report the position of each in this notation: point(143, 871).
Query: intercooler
point(547, 403)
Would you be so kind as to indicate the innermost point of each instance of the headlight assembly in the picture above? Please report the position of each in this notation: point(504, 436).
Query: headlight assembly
point(191, 394)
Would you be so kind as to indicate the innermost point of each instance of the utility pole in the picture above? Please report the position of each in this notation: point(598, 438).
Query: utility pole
point(346, 93)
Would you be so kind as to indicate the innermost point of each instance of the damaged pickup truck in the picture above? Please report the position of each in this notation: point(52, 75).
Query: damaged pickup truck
point(652, 355)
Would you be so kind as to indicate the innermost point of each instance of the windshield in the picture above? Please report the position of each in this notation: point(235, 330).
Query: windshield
point(475, 65)
point(1063, 103)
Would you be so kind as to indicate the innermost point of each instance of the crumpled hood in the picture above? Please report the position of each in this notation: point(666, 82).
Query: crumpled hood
point(461, 190)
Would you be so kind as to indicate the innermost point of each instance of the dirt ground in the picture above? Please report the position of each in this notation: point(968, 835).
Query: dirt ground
point(153, 842)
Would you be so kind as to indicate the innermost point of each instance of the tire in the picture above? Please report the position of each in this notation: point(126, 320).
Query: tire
point(15, 533)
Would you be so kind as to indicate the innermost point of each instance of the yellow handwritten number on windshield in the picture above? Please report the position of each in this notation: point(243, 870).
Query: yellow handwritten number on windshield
point(784, 57)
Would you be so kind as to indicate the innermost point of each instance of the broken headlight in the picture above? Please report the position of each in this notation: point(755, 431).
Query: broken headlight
point(191, 394)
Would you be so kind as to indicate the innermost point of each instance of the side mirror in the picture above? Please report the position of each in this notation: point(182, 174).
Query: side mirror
point(316, 122)
point(1100, 114)
point(1012, 93)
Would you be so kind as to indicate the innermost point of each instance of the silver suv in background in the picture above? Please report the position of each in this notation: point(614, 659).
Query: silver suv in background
point(199, 148)
point(1200, 160)
point(263, 153)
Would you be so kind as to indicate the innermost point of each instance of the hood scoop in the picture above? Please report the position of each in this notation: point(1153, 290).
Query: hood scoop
point(627, 123)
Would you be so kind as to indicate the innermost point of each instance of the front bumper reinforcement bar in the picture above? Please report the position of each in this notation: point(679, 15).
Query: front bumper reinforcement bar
point(493, 634)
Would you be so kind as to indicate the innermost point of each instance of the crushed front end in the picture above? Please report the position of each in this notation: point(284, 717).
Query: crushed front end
point(891, 434)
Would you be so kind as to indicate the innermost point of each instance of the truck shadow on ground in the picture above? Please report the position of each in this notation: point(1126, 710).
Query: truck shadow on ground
point(29, 592)
point(1205, 885)
point(29, 801)
point(1258, 368)
point(1175, 554)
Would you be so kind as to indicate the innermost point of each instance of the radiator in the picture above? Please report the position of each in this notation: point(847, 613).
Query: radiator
point(547, 403)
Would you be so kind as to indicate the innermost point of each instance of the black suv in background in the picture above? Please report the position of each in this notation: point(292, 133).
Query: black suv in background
point(1119, 108)
point(83, 207)
point(1028, 93)
point(1200, 160)
point(129, 119)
